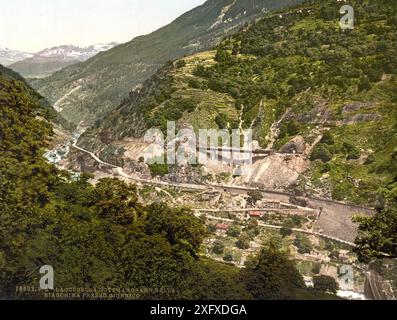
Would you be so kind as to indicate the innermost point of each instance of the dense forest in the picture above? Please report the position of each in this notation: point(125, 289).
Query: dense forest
point(101, 236)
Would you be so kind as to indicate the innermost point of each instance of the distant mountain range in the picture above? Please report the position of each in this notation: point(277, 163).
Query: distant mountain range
point(88, 90)
point(8, 56)
point(50, 60)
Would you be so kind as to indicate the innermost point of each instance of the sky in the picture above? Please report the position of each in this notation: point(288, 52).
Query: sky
point(33, 25)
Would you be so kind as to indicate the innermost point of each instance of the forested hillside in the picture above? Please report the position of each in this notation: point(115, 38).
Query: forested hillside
point(298, 67)
point(46, 109)
point(101, 236)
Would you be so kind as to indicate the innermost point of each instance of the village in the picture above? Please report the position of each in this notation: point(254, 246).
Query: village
point(240, 225)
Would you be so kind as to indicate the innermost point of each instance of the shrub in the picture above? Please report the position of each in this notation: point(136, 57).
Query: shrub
point(285, 232)
point(180, 64)
point(234, 231)
point(322, 153)
point(325, 284)
point(158, 169)
point(316, 268)
point(243, 243)
point(303, 244)
point(218, 248)
point(228, 257)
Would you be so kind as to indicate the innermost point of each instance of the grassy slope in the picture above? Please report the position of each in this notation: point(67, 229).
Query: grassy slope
point(307, 60)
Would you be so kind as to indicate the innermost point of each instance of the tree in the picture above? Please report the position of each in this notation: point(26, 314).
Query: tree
point(289, 128)
point(374, 74)
point(211, 228)
point(228, 257)
point(353, 155)
point(316, 268)
point(285, 232)
point(377, 236)
point(254, 197)
point(351, 151)
point(303, 244)
point(271, 275)
point(200, 71)
point(158, 169)
point(218, 248)
point(364, 84)
point(222, 55)
point(212, 280)
point(236, 49)
point(221, 120)
point(234, 231)
point(180, 64)
point(243, 242)
point(113, 199)
point(293, 127)
point(325, 284)
point(195, 83)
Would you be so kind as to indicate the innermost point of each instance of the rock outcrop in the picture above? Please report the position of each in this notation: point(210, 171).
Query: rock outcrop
point(296, 145)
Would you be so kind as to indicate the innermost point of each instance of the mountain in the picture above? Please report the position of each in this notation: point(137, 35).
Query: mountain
point(8, 56)
point(84, 92)
point(44, 213)
point(50, 60)
point(323, 99)
point(45, 109)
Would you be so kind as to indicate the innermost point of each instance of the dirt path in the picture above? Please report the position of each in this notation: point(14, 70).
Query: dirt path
point(274, 131)
point(60, 100)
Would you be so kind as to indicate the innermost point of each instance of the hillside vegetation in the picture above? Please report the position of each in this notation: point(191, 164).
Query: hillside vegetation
point(101, 236)
point(45, 110)
point(299, 66)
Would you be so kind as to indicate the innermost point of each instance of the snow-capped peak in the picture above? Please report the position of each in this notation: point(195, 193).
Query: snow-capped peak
point(71, 52)
point(8, 56)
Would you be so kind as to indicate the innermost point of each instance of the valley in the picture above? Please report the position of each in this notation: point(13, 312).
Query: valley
point(301, 205)
point(305, 158)
point(124, 68)
point(228, 206)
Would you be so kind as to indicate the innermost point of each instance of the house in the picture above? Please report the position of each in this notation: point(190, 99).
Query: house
point(222, 227)
point(255, 214)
